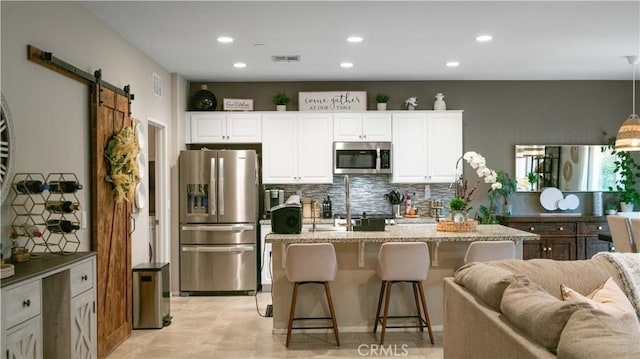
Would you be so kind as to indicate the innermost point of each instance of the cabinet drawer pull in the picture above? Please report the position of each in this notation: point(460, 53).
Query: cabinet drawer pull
point(549, 249)
point(84, 277)
point(561, 228)
point(599, 228)
point(532, 228)
point(544, 249)
point(26, 303)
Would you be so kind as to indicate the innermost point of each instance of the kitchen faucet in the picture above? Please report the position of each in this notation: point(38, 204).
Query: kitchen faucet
point(347, 202)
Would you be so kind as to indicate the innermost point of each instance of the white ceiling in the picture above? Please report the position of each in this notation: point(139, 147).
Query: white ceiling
point(403, 40)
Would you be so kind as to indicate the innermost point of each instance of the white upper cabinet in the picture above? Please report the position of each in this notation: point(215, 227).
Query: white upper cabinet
point(297, 148)
point(315, 148)
point(357, 127)
point(444, 146)
point(426, 146)
point(217, 127)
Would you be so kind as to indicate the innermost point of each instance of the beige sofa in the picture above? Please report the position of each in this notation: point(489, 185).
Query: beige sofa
point(538, 324)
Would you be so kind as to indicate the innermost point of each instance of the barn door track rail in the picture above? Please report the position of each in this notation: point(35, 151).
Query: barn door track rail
point(47, 60)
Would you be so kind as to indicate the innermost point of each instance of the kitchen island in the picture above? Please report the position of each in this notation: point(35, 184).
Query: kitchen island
point(356, 287)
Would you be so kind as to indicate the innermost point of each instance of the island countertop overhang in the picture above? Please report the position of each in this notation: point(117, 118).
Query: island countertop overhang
point(422, 233)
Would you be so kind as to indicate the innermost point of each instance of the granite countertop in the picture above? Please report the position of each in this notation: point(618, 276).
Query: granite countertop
point(402, 220)
point(42, 264)
point(425, 233)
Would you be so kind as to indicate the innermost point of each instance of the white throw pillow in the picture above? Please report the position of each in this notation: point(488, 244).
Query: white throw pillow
point(610, 299)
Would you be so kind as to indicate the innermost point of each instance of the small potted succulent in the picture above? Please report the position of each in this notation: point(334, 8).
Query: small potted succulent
point(457, 208)
point(381, 100)
point(281, 99)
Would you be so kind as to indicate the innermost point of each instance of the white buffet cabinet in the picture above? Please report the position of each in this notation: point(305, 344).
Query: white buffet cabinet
point(49, 308)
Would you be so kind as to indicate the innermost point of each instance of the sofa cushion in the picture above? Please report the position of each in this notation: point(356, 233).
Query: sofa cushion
point(582, 275)
point(536, 313)
point(592, 333)
point(485, 281)
point(610, 299)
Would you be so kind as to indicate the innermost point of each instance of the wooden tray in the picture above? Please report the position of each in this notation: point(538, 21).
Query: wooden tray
point(449, 226)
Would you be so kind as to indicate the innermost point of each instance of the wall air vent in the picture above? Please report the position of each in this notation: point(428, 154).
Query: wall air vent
point(285, 58)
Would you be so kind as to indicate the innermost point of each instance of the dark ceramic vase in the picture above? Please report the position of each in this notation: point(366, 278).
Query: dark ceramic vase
point(203, 100)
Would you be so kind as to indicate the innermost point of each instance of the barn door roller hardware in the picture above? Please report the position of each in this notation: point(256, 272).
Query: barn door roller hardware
point(47, 59)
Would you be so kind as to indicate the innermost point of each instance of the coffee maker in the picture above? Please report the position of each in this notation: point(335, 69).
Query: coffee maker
point(272, 197)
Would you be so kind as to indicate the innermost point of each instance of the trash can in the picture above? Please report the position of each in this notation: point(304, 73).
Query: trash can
point(151, 296)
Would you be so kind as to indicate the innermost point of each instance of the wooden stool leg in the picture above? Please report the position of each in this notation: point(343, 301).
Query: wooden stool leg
point(386, 312)
point(415, 297)
point(382, 286)
point(333, 314)
point(292, 312)
point(426, 311)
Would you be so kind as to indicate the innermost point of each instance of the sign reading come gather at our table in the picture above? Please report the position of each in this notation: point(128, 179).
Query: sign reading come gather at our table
point(333, 101)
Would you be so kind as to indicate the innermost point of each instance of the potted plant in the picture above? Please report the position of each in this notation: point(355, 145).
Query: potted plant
point(281, 99)
point(612, 207)
point(627, 174)
point(457, 207)
point(508, 188)
point(382, 99)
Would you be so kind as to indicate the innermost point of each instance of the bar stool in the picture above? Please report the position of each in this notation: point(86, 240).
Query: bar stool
point(403, 262)
point(311, 264)
point(483, 251)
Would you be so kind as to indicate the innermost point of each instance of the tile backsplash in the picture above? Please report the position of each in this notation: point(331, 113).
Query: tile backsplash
point(367, 193)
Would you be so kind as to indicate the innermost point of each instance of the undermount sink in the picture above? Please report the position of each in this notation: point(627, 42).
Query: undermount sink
point(329, 229)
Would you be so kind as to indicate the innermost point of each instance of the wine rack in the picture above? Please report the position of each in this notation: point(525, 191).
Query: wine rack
point(31, 213)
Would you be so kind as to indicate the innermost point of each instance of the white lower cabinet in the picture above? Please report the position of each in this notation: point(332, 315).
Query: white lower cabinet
point(53, 315)
point(83, 326)
point(297, 148)
point(426, 146)
point(24, 341)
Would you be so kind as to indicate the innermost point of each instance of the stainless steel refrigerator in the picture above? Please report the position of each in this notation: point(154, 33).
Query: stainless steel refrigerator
point(218, 221)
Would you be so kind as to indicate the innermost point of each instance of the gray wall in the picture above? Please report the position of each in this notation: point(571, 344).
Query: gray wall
point(497, 114)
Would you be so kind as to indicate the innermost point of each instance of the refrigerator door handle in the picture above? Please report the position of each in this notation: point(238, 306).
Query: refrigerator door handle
point(212, 186)
point(221, 180)
point(218, 249)
point(234, 228)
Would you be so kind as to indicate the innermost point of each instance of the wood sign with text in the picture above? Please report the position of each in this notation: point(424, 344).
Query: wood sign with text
point(237, 104)
point(333, 101)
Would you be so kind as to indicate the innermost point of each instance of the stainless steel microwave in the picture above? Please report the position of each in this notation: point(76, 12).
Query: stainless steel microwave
point(361, 157)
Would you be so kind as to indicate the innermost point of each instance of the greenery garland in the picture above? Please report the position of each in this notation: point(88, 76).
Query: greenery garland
point(122, 170)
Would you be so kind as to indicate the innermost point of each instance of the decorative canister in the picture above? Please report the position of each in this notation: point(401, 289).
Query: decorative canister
point(597, 204)
point(439, 103)
point(203, 100)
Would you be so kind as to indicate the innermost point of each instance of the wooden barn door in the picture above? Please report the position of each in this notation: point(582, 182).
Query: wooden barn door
point(111, 235)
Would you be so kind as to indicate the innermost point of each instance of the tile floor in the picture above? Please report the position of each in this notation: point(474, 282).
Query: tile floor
point(230, 327)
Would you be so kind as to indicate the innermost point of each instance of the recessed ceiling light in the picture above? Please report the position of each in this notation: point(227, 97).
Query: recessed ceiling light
point(484, 38)
point(346, 65)
point(354, 39)
point(453, 64)
point(239, 65)
point(225, 39)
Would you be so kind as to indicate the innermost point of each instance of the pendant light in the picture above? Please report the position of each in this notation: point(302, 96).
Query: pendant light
point(628, 138)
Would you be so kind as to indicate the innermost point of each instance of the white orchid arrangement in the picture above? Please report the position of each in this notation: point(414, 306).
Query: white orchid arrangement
point(501, 184)
point(478, 163)
point(411, 101)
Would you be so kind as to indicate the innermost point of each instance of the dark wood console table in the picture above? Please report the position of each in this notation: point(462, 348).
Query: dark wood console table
point(562, 237)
